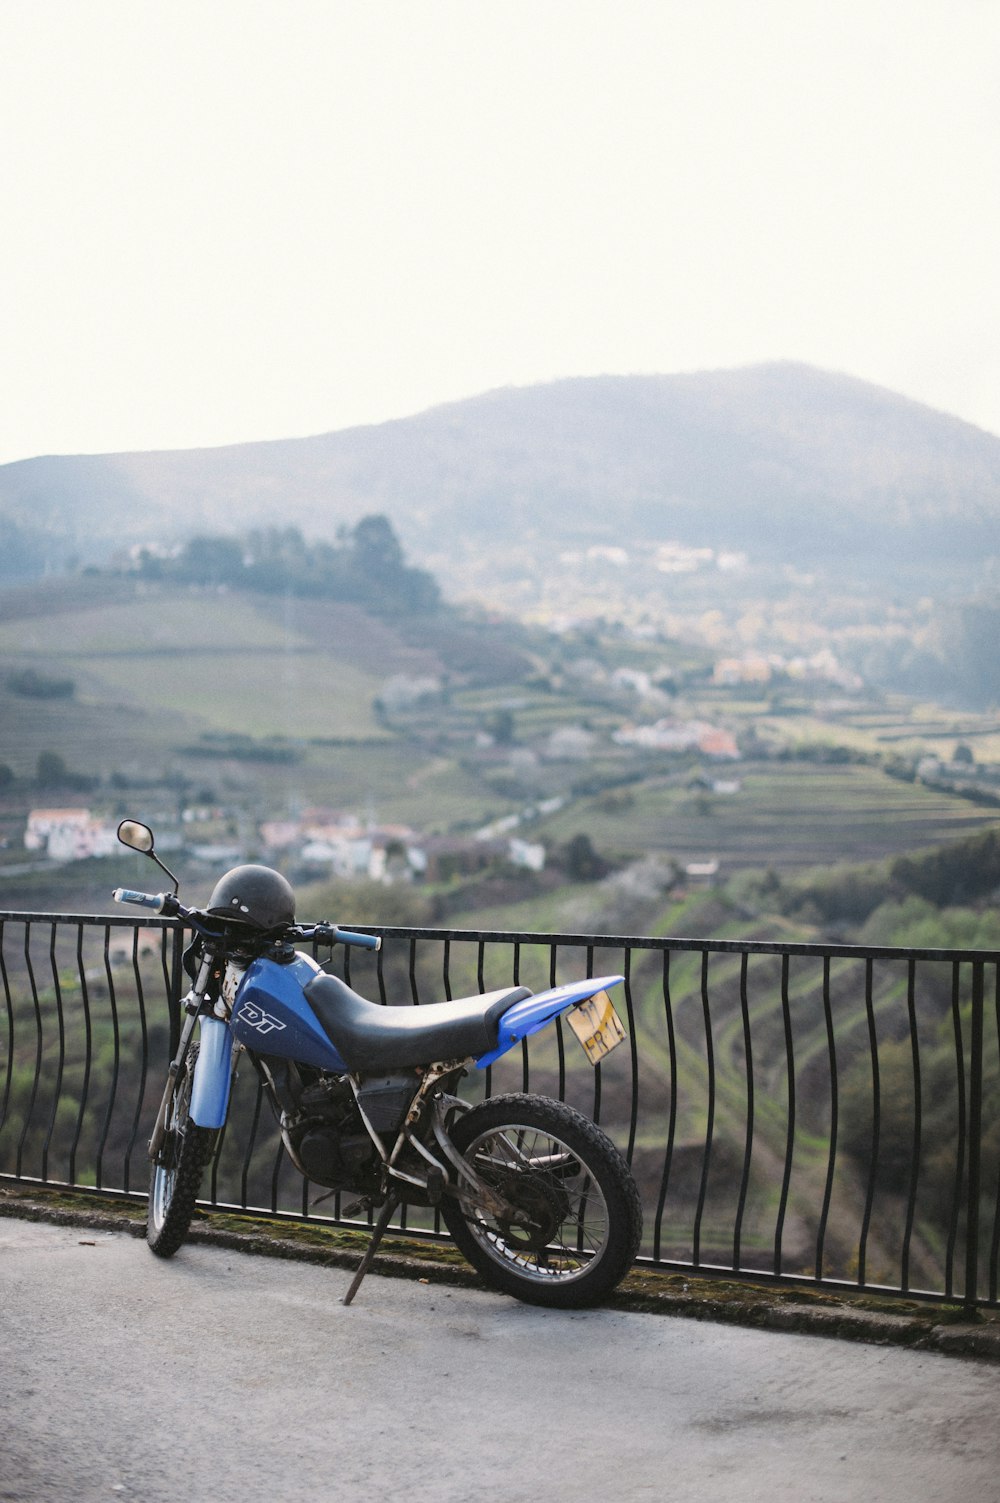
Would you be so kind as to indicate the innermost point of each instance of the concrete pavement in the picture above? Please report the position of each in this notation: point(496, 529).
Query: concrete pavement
point(217, 1378)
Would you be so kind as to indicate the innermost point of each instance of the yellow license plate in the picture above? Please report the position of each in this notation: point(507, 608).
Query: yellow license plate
point(597, 1026)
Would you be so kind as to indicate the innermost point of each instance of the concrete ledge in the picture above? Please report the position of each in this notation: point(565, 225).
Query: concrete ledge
point(924, 1326)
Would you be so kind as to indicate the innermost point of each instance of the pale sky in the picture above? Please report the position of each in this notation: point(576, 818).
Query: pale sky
point(225, 220)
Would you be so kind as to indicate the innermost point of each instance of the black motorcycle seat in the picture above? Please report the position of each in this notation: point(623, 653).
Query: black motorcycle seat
point(370, 1037)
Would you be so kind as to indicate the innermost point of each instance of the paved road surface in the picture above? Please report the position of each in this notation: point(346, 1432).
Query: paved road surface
point(221, 1378)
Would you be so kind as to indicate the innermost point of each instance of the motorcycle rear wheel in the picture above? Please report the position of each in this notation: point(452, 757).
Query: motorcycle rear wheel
point(175, 1179)
point(581, 1216)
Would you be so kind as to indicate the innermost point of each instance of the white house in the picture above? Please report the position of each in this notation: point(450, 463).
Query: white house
point(69, 834)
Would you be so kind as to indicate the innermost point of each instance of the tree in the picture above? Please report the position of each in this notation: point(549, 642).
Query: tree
point(50, 770)
point(583, 864)
point(365, 565)
point(32, 685)
point(376, 546)
point(212, 561)
point(500, 725)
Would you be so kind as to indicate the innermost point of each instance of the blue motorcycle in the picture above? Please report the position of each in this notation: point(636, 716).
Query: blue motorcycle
point(536, 1197)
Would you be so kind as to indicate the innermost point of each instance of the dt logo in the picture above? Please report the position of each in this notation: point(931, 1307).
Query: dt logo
point(256, 1018)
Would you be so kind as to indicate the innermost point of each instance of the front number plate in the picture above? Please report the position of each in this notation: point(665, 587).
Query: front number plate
point(597, 1026)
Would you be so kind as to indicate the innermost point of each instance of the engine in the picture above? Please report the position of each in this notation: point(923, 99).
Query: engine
point(326, 1137)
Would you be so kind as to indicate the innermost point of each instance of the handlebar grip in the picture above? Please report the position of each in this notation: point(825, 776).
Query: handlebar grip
point(349, 937)
point(154, 900)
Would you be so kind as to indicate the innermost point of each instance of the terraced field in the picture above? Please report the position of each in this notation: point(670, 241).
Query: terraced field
point(218, 664)
point(786, 815)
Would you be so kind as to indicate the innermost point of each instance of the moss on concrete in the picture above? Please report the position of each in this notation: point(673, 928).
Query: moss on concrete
point(926, 1325)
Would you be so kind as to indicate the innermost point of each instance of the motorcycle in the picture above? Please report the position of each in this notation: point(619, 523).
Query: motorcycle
point(536, 1197)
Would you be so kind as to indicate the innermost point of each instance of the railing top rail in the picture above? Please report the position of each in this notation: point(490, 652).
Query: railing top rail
point(594, 941)
point(677, 942)
point(118, 920)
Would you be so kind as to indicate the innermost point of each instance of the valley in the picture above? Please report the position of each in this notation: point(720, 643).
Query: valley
point(213, 712)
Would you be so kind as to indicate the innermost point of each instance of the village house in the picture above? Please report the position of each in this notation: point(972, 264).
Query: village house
point(69, 834)
point(680, 736)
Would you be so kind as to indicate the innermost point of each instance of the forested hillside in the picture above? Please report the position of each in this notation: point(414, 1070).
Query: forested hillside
point(794, 464)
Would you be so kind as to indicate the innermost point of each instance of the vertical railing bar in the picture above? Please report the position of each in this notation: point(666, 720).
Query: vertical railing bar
point(516, 979)
point(672, 1115)
point(995, 1244)
point(560, 1039)
point(786, 1177)
point(831, 1163)
point(415, 1002)
point(144, 1053)
point(88, 1050)
point(9, 1002)
point(116, 1059)
point(275, 1171)
point(918, 1130)
point(876, 1121)
point(61, 1055)
point(220, 1138)
point(380, 973)
point(446, 982)
point(956, 1210)
point(974, 1184)
point(251, 1143)
point(633, 1121)
point(597, 1068)
point(748, 1140)
point(38, 1047)
point(710, 1110)
point(174, 982)
point(481, 983)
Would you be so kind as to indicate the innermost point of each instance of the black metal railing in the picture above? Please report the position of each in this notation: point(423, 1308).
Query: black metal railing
point(825, 1114)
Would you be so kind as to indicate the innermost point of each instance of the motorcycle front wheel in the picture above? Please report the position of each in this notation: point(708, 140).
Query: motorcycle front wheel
point(176, 1175)
point(576, 1221)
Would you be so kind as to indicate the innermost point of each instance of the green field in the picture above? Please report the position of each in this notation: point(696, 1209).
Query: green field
point(220, 664)
point(785, 814)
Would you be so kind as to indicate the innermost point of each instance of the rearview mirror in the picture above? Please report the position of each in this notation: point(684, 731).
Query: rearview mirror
point(136, 836)
point(139, 837)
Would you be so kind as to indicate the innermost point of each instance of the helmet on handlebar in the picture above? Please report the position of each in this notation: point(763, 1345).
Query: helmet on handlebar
point(253, 895)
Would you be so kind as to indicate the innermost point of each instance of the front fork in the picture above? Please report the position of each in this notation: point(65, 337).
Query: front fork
point(193, 1004)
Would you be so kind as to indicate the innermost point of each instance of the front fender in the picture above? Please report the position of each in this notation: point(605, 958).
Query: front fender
point(212, 1075)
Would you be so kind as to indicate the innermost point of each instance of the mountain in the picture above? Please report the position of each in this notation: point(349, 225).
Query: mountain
point(790, 463)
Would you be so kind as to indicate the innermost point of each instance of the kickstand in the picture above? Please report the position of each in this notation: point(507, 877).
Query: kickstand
point(385, 1216)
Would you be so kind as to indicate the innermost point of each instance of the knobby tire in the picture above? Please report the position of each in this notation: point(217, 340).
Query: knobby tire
point(573, 1182)
point(174, 1188)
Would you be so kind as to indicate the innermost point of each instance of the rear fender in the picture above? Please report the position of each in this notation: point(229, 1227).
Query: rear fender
point(536, 1013)
point(213, 1074)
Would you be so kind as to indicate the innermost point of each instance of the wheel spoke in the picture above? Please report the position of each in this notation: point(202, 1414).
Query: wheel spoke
point(575, 1237)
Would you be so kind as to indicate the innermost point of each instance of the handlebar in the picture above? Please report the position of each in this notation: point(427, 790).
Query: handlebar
point(324, 934)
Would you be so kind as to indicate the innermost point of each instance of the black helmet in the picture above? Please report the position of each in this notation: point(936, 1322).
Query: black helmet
point(254, 895)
